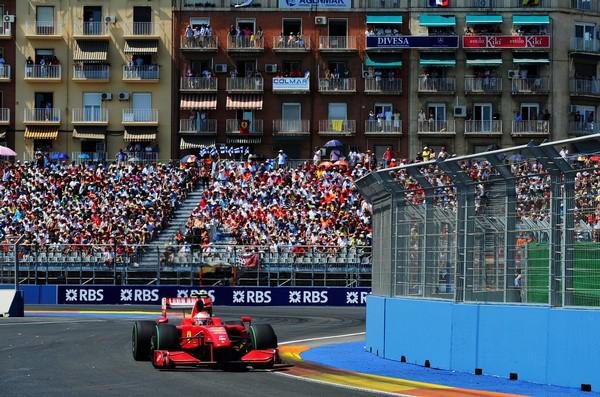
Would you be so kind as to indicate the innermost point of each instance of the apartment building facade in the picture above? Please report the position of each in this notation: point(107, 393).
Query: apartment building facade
point(93, 77)
point(7, 80)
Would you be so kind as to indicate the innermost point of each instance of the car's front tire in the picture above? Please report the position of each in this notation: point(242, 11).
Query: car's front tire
point(141, 337)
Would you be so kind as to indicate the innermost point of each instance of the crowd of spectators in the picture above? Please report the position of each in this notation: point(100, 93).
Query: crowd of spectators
point(383, 30)
point(291, 40)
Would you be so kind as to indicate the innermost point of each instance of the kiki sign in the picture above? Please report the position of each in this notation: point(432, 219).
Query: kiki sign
point(506, 41)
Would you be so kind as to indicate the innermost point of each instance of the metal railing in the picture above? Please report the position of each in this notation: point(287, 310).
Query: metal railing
point(337, 127)
point(295, 43)
point(530, 85)
point(140, 116)
point(142, 29)
point(91, 72)
point(88, 157)
point(436, 127)
point(531, 127)
point(483, 127)
point(291, 127)
point(386, 127)
point(91, 29)
point(43, 29)
point(43, 72)
point(579, 44)
point(209, 43)
point(585, 5)
point(584, 127)
point(341, 43)
point(93, 115)
point(385, 4)
point(337, 85)
point(491, 85)
point(245, 84)
point(198, 83)
point(142, 72)
point(51, 115)
point(233, 127)
point(245, 43)
point(436, 84)
point(383, 85)
point(4, 115)
point(5, 72)
point(198, 126)
point(584, 87)
point(5, 29)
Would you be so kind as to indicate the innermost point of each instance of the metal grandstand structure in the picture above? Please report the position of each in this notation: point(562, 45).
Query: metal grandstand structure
point(497, 226)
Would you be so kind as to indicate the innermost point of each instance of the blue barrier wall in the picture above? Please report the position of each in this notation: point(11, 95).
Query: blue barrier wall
point(540, 344)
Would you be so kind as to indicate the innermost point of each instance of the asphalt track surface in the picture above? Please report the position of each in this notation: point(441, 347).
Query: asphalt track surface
point(91, 356)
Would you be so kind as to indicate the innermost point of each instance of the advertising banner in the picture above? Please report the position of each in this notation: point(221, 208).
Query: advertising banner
point(392, 42)
point(225, 296)
point(283, 84)
point(506, 42)
point(315, 4)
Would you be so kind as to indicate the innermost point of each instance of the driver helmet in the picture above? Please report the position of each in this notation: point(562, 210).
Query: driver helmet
point(201, 318)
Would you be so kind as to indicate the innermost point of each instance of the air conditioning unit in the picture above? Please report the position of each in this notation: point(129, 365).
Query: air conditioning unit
point(460, 111)
point(572, 109)
point(271, 68)
point(107, 96)
point(513, 74)
point(8, 18)
point(110, 19)
point(221, 68)
point(320, 20)
point(123, 96)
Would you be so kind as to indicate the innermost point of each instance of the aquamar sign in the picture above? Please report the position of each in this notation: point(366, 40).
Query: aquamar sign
point(315, 4)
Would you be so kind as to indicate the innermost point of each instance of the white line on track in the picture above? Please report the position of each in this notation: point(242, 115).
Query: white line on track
point(289, 342)
point(50, 322)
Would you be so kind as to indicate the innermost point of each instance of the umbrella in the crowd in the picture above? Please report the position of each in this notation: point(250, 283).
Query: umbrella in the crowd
point(595, 159)
point(190, 158)
point(341, 163)
point(84, 156)
point(325, 164)
point(516, 157)
point(333, 143)
point(59, 156)
point(6, 151)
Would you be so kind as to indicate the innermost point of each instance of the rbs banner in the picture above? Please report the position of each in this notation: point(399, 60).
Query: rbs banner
point(225, 296)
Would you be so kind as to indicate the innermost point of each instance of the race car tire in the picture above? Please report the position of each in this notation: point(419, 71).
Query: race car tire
point(166, 337)
point(262, 336)
point(141, 340)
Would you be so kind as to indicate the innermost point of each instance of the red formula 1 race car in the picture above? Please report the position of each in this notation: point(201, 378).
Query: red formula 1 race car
point(203, 340)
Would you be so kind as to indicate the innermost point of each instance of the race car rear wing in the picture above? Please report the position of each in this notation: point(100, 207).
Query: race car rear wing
point(186, 303)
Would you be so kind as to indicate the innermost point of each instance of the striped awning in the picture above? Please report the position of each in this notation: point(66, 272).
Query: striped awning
point(90, 51)
point(244, 102)
point(91, 133)
point(243, 140)
point(195, 143)
point(198, 102)
point(141, 47)
point(138, 134)
point(41, 132)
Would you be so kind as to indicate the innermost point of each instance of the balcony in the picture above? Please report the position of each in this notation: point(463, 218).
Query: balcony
point(483, 86)
point(282, 127)
point(383, 128)
point(142, 30)
point(284, 44)
point(199, 44)
point(4, 73)
point(337, 86)
point(483, 127)
point(245, 84)
point(584, 127)
point(337, 44)
point(337, 127)
point(140, 117)
point(42, 116)
point(91, 31)
point(585, 5)
point(385, 4)
point(437, 85)
point(290, 85)
point(91, 73)
point(43, 31)
point(43, 73)
point(578, 44)
point(530, 128)
point(245, 44)
point(206, 127)
point(383, 86)
point(234, 127)
point(5, 30)
point(4, 116)
point(530, 86)
point(143, 73)
point(436, 127)
point(89, 116)
point(584, 87)
point(198, 84)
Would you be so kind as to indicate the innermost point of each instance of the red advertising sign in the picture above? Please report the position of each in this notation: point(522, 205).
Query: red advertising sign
point(506, 41)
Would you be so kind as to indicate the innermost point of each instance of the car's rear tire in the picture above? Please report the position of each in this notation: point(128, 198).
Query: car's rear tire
point(166, 337)
point(141, 338)
point(262, 336)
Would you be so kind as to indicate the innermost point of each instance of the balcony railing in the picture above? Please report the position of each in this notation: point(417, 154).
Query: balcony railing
point(42, 116)
point(590, 45)
point(385, 4)
point(91, 29)
point(530, 127)
point(198, 126)
point(437, 84)
point(4, 115)
point(337, 43)
point(201, 43)
point(93, 115)
point(143, 72)
point(43, 29)
point(233, 127)
point(5, 30)
point(530, 85)
point(141, 29)
point(434, 127)
point(585, 5)
point(4, 72)
point(141, 116)
point(383, 85)
point(91, 72)
point(483, 85)
point(586, 87)
point(384, 127)
point(43, 72)
point(337, 127)
point(294, 44)
point(584, 127)
point(198, 84)
point(483, 127)
point(245, 84)
point(338, 86)
point(88, 157)
point(291, 127)
point(245, 43)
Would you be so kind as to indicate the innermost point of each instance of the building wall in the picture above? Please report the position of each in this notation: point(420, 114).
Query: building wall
point(7, 43)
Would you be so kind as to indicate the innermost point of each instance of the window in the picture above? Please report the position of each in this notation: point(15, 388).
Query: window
point(585, 31)
point(44, 20)
point(437, 111)
point(198, 22)
point(291, 67)
point(292, 26)
point(530, 111)
point(92, 105)
point(482, 115)
point(246, 25)
point(142, 14)
point(291, 111)
point(337, 27)
point(338, 67)
point(42, 99)
point(141, 102)
point(92, 14)
point(337, 111)
point(43, 53)
point(246, 68)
